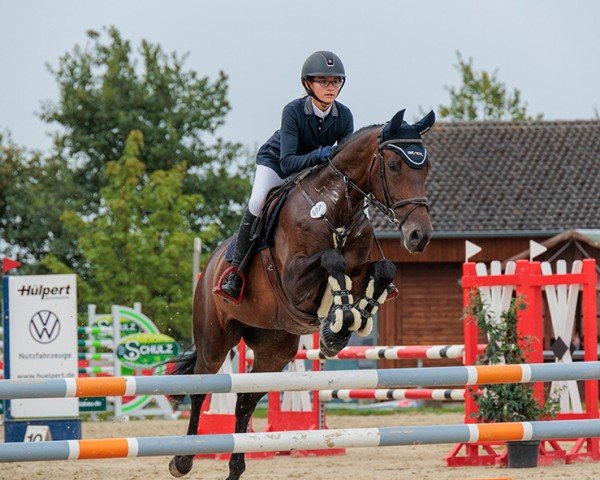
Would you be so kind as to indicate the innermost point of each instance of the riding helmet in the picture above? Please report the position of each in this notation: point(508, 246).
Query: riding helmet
point(323, 64)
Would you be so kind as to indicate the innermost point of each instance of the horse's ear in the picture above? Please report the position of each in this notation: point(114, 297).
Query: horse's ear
point(425, 123)
point(396, 121)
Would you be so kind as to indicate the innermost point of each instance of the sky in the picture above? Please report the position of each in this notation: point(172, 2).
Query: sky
point(397, 54)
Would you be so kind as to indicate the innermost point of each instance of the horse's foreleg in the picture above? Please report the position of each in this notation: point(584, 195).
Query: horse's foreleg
point(337, 313)
point(273, 350)
point(301, 276)
point(343, 315)
point(377, 277)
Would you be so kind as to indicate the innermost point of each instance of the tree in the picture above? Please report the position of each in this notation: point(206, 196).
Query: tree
point(481, 96)
point(105, 94)
point(11, 162)
point(137, 247)
point(34, 192)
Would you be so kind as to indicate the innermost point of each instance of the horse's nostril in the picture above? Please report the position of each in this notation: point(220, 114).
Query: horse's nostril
point(416, 236)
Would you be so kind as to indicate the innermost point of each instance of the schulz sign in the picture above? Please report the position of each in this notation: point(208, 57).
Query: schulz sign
point(146, 350)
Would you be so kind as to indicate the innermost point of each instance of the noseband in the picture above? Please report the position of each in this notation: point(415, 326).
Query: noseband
point(387, 207)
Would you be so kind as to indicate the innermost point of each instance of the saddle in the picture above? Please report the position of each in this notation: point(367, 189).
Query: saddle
point(264, 226)
point(262, 240)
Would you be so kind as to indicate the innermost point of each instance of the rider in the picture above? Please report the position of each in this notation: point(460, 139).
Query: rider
point(310, 126)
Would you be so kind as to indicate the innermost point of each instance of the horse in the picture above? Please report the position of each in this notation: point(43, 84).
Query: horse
point(316, 265)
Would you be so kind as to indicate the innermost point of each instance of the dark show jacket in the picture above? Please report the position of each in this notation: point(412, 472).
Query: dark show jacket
point(295, 146)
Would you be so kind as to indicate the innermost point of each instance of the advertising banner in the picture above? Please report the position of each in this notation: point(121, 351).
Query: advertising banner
point(42, 339)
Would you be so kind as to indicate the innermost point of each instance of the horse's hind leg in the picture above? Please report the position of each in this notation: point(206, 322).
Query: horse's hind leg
point(212, 346)
point(181, 465)
point(273, 350)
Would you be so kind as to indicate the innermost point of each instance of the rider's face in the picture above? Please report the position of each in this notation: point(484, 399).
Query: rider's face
point(325, 89)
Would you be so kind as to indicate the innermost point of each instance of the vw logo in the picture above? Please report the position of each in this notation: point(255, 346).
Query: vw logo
point(44, 326)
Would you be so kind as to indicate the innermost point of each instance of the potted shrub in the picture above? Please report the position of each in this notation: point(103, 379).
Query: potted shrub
point(508, 402)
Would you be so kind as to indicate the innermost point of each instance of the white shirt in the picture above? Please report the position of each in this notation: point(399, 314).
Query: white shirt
point(320, 113)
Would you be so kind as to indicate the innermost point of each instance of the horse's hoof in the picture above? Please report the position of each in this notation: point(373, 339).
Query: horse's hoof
point(180, 465)
point(331, 343)
point(325, 350)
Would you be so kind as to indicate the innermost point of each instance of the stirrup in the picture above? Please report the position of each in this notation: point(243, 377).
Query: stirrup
point(217, 290)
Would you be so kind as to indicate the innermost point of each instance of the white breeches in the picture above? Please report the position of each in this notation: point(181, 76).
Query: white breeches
point(264, 180)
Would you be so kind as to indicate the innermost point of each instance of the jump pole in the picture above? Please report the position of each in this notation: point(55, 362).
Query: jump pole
point(438, 394)
point(290, 381)
point(424, 352)
point(294, 440)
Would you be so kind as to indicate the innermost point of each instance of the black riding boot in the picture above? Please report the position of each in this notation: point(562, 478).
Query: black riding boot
point(233, 282)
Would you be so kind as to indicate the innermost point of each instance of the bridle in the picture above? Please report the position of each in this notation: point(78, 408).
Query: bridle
point(388, 207)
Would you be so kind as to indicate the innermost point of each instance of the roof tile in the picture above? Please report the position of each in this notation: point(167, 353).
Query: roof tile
point(512, 176)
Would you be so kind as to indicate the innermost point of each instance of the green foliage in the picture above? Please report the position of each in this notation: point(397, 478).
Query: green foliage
point(125, 227)
point(137, 248)
point(11, 161)
point(35, 193)
point(105, 95)
point(481, 96)
point(107, 90)
point(505, 402)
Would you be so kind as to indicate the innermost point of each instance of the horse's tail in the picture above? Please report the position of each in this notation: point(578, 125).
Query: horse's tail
point(182, 365)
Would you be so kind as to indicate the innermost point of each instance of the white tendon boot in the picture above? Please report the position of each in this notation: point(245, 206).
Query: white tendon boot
point(342, 301)
point(367, 308)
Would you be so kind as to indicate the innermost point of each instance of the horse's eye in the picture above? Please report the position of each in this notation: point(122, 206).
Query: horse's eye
point(393, 165)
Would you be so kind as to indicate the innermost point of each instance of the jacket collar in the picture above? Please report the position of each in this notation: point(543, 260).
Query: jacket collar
point(308, 110)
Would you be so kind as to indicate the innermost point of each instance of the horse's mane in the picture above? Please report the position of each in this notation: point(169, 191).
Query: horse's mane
point(355, 136)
